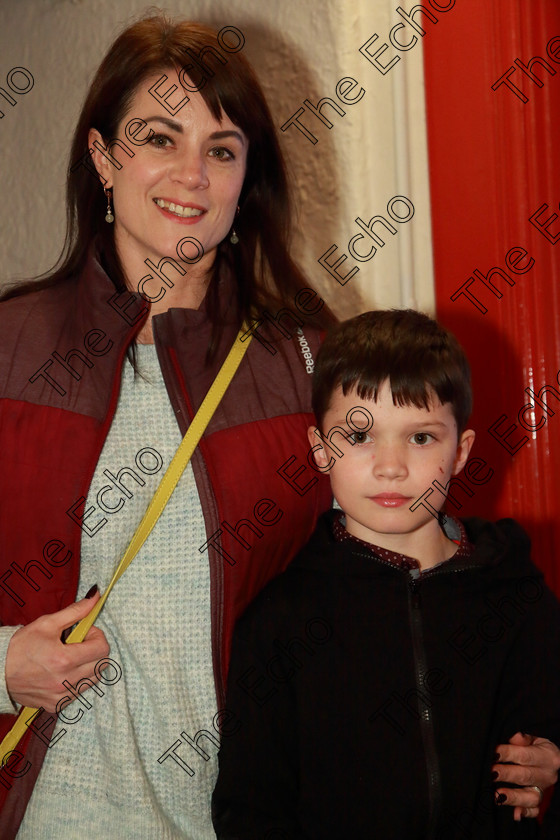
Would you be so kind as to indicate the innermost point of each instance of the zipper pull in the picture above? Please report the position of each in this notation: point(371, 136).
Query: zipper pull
point(414, 584)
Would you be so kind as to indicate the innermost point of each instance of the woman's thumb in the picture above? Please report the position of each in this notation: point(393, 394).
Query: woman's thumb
point(74, 612)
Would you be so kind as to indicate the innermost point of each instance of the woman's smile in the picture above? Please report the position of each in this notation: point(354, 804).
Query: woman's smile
point(177, 210)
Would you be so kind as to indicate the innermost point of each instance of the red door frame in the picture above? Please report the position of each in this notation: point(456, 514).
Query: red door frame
point(494, 162)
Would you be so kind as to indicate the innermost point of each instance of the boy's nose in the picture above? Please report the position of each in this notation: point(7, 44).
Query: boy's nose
point(389, 462)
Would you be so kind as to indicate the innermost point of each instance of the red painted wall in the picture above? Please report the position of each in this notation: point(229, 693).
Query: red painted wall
point(494, 161)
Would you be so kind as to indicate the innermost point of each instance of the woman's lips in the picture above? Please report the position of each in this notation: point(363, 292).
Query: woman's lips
point(390, 500)
point(184, 213)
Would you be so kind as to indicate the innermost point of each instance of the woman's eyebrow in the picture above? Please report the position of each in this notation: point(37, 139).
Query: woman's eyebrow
point(176, 126)
point(172, 124)
point(221, 135)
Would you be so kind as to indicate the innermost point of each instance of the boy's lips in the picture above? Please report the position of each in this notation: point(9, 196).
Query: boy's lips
point(390, 499)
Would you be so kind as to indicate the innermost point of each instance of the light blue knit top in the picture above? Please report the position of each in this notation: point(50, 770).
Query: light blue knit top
point(102, 778)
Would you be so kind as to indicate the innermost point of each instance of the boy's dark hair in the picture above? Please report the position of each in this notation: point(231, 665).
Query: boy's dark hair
point(408, 348)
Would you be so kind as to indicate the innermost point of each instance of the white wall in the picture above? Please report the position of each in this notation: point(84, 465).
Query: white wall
point(300, 50)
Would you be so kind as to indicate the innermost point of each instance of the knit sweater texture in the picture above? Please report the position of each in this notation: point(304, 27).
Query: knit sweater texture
point(102, 777)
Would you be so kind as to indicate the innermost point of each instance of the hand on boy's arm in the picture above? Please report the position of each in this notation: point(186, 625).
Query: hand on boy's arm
point(535, 762)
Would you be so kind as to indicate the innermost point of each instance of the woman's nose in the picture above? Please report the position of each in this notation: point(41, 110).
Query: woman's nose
point(191, 170)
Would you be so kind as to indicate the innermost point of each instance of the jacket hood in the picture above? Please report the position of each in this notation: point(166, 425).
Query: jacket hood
point(502, 547)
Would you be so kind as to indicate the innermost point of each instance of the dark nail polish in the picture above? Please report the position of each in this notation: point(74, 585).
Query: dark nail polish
point(501, 798)
point(496, 756)
point(495, 774)
point(91, 592)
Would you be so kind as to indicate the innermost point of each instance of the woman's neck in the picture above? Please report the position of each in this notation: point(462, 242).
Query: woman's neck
point(186, 292)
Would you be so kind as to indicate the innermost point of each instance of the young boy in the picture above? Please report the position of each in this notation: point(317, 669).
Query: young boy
point(372, 680)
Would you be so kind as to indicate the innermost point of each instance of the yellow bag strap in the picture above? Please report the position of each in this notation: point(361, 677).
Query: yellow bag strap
point(161, 497)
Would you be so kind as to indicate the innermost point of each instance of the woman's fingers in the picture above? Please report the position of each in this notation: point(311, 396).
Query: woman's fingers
point(534, 761)
point(530, 762)
point(38, 663)
point(522, 798)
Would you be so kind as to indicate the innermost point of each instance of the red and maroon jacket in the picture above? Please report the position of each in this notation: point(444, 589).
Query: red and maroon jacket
point(61, 355)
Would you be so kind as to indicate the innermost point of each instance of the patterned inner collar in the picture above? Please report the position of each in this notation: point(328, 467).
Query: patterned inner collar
point(453, 528)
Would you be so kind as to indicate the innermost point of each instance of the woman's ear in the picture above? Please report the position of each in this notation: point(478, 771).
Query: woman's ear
point(317, 451)
point(100, 161)
point(463, 450)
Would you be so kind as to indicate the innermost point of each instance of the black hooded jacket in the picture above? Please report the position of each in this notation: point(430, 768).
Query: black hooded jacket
point(367, 701)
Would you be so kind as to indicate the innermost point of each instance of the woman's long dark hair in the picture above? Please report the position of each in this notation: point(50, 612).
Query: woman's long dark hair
point(266, 275)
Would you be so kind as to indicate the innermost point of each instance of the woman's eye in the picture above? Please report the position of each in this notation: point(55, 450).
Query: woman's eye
point(221, 153)
point(421, 438)
point(359, 437)
point(160, 140)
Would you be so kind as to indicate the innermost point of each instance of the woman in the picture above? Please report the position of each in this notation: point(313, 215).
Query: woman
point(183, 198)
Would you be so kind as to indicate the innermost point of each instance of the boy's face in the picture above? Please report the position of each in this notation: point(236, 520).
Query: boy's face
point(380, 476)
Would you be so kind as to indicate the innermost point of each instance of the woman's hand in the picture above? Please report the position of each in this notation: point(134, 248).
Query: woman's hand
point(536, 762)
point(37, 661)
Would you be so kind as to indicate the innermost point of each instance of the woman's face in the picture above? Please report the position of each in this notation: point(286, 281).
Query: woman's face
point(184, 181)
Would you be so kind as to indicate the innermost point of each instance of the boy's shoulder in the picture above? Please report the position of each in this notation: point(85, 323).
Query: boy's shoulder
point(503, 563)
point(478, 527)
point(299, 589)
point(504, 541)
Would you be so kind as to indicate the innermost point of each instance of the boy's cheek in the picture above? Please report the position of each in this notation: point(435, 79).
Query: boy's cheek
point(344, 481)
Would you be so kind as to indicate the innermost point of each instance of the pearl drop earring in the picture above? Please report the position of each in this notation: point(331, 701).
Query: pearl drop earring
point(109, 214)
point(234, 239)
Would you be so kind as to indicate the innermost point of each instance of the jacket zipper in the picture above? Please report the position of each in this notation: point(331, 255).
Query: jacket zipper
point(180, 401)
point(426, 717)
point(420, 669)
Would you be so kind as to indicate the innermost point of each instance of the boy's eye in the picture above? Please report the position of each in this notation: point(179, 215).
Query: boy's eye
point(359, 437)
point(221, 153)
point(421, 438)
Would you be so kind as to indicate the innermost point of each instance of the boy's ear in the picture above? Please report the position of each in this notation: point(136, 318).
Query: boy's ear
point(100, 161)
point(463, 450)
point(320, 456)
